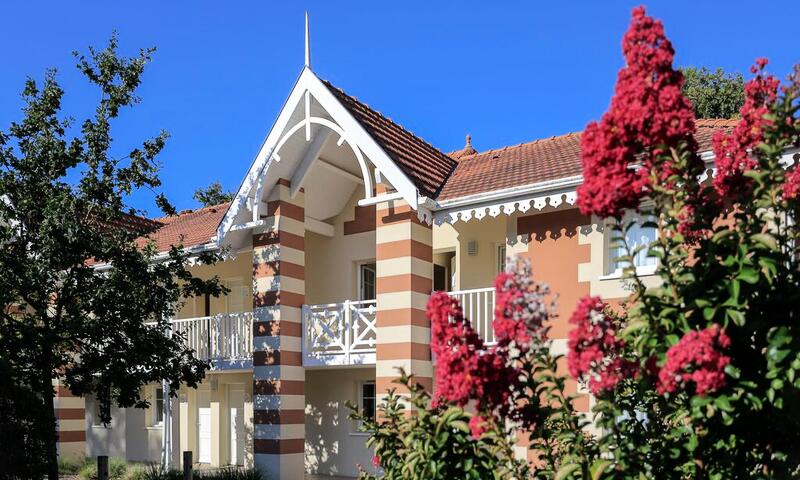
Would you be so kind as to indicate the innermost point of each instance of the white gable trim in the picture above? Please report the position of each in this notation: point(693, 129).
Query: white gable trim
point(344, 125)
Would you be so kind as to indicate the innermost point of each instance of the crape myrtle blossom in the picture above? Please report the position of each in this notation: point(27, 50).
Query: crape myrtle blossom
point(791, 187)
point(467, 370)
point(698, 359)
point(733, 151)
point(520, 310)
point(594, 352)
point(648, 116)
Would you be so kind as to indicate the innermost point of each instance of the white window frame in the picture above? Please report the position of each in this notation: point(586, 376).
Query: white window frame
point(501, 254)
point(158, 411)
point(610, 268)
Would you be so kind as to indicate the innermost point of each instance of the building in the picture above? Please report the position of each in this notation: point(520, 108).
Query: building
point(343, 225)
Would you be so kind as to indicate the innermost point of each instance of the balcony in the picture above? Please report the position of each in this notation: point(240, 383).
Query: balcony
point(226, 339)
point(339, 333)
point(334, 334)
point(478, 307)
point(345, 333)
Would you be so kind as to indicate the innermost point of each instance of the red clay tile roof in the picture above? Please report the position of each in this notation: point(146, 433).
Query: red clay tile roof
point(191, 228)
point(423, 163)
point(137, 224)
point(538, 161)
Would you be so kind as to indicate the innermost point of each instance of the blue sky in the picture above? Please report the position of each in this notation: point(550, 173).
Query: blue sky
point(505, 72)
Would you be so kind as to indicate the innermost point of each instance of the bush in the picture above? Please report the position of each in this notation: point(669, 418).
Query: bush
point(156, 472)
point(117, 469)
point(71, 465)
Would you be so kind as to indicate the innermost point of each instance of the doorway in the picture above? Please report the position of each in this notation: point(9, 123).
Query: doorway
point(236, 427)
point(203, 426)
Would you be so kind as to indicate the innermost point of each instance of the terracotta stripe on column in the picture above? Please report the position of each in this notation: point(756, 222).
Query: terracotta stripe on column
point(409, 249)
point(278, 293)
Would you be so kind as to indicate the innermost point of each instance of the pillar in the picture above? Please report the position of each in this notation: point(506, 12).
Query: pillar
point(71, 418)
point(404, 256)
point(278, 374)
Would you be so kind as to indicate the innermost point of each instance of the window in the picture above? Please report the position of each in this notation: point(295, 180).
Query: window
point(501, 259)
point(637, 235)
point(366, 280)
point(97, 422)
point(367, 402)
point(158, 415)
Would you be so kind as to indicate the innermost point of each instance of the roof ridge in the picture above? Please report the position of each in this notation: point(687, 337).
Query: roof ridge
point(196, 211)
point(522, 144)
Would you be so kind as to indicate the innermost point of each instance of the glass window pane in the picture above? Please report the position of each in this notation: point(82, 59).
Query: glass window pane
point(636, 236)
point(367, 287)
point(159, 405)
point(368, 401)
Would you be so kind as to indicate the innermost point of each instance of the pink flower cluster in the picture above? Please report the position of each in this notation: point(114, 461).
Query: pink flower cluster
point(732, 151)
point(469, 371)
point(697, 358)
point(648, 114)
point(465, 369)
point(520, 309)
point(593, 349)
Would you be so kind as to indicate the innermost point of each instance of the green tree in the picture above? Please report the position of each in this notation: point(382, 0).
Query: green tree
point(212, 195)
point(63, 217)
point(714, 94)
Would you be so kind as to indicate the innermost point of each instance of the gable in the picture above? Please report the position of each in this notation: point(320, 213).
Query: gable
point(312, 119)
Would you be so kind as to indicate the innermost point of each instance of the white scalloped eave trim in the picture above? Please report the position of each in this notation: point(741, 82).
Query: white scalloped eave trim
point(538, 202)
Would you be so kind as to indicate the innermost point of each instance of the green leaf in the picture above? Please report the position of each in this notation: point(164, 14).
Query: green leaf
point(748, 275)
point(599, 467)
point(566, 470)
point(766, 240)
point(732, 371)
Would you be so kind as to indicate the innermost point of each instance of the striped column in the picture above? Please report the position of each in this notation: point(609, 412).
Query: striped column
point(404, 255)
point(278, 374)
point(71, 419)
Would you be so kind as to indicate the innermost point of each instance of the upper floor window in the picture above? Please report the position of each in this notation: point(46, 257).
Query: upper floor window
point(366, 280)
point(501, 258)
point(640, 233)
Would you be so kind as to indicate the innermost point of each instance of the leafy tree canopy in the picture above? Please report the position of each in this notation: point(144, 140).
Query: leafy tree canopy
point(212, 195)
point(714, 94)
point(76, 286)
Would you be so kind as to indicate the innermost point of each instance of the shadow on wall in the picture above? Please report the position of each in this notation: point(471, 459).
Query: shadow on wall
point(321, 449)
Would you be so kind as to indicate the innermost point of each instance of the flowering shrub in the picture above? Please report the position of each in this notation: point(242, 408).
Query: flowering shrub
point(699, 378)
point(594, 348)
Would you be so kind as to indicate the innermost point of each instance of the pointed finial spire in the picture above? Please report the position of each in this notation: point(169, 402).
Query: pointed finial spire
point(308, 45)
point(469, 141)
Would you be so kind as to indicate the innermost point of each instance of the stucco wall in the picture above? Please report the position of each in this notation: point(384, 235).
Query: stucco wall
point(333, 447)
point(238, 274)
point(332, 262)
point(214, 389)
point(479, 270)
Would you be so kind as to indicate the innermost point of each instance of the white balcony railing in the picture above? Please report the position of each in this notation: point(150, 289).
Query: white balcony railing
point(478, 306)
point(226, 337)
point(339, 333)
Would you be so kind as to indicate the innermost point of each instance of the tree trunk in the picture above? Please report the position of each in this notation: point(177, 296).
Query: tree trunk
point(48, 396)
